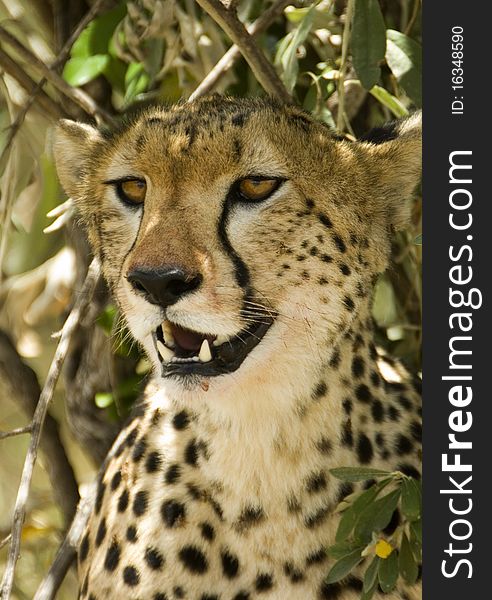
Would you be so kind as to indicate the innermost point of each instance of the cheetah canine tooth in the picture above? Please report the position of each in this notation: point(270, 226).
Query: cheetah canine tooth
point(168, 334)
point(205, 355)
point(165, 353)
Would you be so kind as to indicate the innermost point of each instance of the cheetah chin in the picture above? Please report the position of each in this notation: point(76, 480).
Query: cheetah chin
point(184, 352)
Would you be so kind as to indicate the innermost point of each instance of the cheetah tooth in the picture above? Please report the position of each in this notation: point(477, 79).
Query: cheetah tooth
point(205, 355)
point(165, 353)
point(168, 334)
point(219, 340)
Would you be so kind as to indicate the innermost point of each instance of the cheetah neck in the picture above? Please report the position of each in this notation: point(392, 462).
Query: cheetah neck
point(284, 438)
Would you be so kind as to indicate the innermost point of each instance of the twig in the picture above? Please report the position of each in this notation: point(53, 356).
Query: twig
point(19, 120)
point(411, 22)
point(354, 95)
point(49, 106)
point(60, 60)
point(20, 383)
point(13, 432)
point(76, 95)
point(67, 550)
point(231, 56)
point(5, 541)
point(7, 192)
point(343, 65)
point(260, 65)
point(69, 328)
point(82, 24)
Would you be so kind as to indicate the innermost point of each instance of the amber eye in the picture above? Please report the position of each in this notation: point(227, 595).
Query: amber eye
point(257, 188)
point(132, 190)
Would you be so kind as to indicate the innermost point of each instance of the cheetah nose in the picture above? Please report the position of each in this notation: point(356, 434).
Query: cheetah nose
point(163, 286)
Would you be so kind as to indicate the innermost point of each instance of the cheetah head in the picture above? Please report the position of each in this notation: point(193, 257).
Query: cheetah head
point(238, 235)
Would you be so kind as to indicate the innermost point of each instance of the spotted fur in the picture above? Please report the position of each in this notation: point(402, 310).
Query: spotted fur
point(221, 489)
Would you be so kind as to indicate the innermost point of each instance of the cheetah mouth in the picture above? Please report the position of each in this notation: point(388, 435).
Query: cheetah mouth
point(185, 352)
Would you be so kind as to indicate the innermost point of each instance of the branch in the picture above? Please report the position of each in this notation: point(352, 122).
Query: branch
point(260, 65)
point(84, 21)
point(7, 191)
point(49, 106)
point(76, 95)
point(13, 432)
point(67, 550)
point(413, 18)
point(15, 126)
point(60, 60)
point(353, 98)
point(70, 326)
point(230, 57)
point(19, 382)
point(5, 541)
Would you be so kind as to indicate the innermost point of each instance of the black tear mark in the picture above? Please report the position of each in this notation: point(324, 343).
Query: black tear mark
point(241, 271)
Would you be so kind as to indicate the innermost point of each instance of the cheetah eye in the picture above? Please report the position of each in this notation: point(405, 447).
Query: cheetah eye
point(131, 191)
point(257, 188)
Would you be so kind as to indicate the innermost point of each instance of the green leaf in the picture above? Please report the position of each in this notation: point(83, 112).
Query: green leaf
point(377, 515)
point(96, 36)
point(368, 41)
point(388, 100)
point(416, 539)
point(418, 240)
point(103, 399)
point(312, 97)
point(411, 499)
point(106, 319)
point(341, 549)
point(136, 81)
point(370, 593)
point(287, 52)
point(408, 567)
point(404, 58)
point(324, 114)
point(355, 474)
point(371, 575)
point(416, 528)
point(322, 17)
point(388, 572)
point(351, 514)
point(347, 523)
point(79, 71)
point(296, 15)
point(344, 566)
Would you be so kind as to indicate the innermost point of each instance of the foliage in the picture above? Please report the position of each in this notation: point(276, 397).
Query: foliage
point(138, 51)
point(361, 537)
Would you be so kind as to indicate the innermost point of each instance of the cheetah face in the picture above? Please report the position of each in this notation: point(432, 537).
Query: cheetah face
point(237, 236)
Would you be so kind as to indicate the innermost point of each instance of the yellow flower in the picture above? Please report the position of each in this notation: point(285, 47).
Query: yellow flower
point(383, 549)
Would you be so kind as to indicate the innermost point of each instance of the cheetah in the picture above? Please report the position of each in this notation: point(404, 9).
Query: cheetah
point(241, 240)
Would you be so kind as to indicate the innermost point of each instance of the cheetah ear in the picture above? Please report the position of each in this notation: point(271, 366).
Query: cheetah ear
point(73, 147)
point(395, 151)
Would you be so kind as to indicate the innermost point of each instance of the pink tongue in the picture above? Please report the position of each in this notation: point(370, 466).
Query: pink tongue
point(188, 340)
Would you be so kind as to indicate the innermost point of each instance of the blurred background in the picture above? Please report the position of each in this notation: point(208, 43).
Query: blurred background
point(354, 64)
